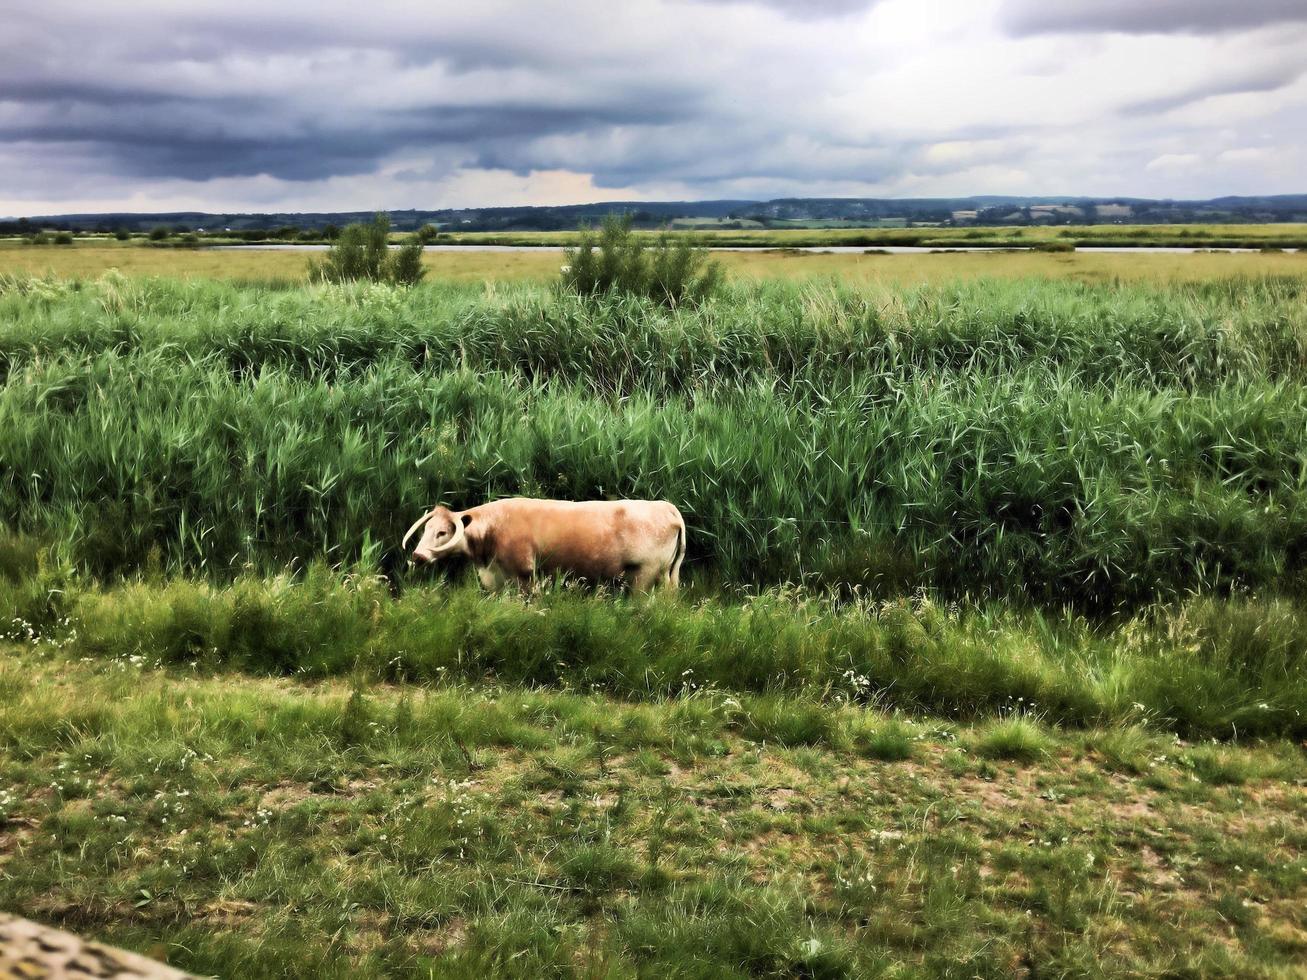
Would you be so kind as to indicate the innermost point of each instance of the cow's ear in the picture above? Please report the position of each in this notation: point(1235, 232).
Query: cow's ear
point(466, 519)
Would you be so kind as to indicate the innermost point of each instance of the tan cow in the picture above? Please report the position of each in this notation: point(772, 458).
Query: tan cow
point(639, 542)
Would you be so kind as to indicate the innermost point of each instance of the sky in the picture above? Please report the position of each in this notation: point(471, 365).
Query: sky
point(233, 105)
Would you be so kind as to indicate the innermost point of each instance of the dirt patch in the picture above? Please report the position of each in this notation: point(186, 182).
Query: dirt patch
point(1134, 812)
point(1155, 872)
point(989, 795)
point(446, 938)
point(229, 911)
point(783, 799)
point(283, 796)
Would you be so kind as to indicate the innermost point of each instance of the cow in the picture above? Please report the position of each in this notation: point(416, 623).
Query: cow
point(638, 542)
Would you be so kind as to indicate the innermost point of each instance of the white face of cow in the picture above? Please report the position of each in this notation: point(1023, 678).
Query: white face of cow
point(442, 535)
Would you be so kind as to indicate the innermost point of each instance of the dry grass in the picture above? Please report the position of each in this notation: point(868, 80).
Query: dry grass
point(91, 261)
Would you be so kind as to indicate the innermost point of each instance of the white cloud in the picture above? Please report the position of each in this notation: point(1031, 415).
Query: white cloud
point(1244, 154)
point(1168, 162)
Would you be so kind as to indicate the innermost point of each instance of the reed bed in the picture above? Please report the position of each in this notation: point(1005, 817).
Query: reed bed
point(1059, 444)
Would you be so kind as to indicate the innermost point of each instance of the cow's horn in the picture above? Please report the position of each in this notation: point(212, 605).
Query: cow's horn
point(416, 524)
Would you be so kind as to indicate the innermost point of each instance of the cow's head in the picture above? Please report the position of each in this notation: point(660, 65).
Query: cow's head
point(443, 535)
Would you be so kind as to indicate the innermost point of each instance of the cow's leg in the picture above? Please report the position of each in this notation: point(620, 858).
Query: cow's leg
point(517, 564)
point(491, 577)
point(642, 578)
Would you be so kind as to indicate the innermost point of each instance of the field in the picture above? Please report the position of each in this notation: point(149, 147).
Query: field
point(1196, 236)
point(86, 260)
point(888, 231)
point(992, 660)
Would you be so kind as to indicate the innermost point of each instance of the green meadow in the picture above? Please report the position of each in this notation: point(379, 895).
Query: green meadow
point(992, 658)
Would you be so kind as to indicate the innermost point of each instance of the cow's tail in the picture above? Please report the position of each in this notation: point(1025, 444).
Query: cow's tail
point(674, 569)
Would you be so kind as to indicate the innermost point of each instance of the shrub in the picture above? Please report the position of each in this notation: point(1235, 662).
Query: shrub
point(160, 233)
point(675, 270)
point(406, 263)
point(428, 233)
point(63, 238)
point(122, 234)
point(362, 252)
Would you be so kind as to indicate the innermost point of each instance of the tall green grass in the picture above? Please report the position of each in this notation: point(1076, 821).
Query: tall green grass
point(796, 335)
point(1020, 486)
point(1103, 447)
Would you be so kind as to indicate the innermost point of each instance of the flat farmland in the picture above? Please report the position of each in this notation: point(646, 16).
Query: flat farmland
point(85, 260)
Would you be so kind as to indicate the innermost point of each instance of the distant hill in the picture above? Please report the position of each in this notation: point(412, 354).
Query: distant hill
point(982, 209)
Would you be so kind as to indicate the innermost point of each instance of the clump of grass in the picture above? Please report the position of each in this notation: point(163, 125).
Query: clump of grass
point(786, 722)
point(1016, 738)
point(673, 271)
point(887, 740)
point(355, 720)
point(597, 868)
point(36, 591)
point(1217, 766)
point(1126, 749)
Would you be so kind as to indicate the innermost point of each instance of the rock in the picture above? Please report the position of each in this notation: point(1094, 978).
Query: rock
point(30, 951)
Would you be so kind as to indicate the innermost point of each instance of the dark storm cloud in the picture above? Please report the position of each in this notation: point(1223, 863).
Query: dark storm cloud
point(152, 135)
point(1023, 17)
point(333, 100)
point(173, 103)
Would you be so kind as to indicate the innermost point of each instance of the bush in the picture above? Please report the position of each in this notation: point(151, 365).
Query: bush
point(160, 233)
point(63, 238)
point(428, 233)
point(675, 270)
point(362, 252)
point(406, 263)
point(122, 234)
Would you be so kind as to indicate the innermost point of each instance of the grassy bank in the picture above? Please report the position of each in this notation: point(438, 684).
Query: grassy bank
point(257, 828)
point(1044, 442)
point(1232, 668)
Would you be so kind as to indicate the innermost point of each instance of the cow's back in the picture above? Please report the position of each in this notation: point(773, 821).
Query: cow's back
point(600, 539)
